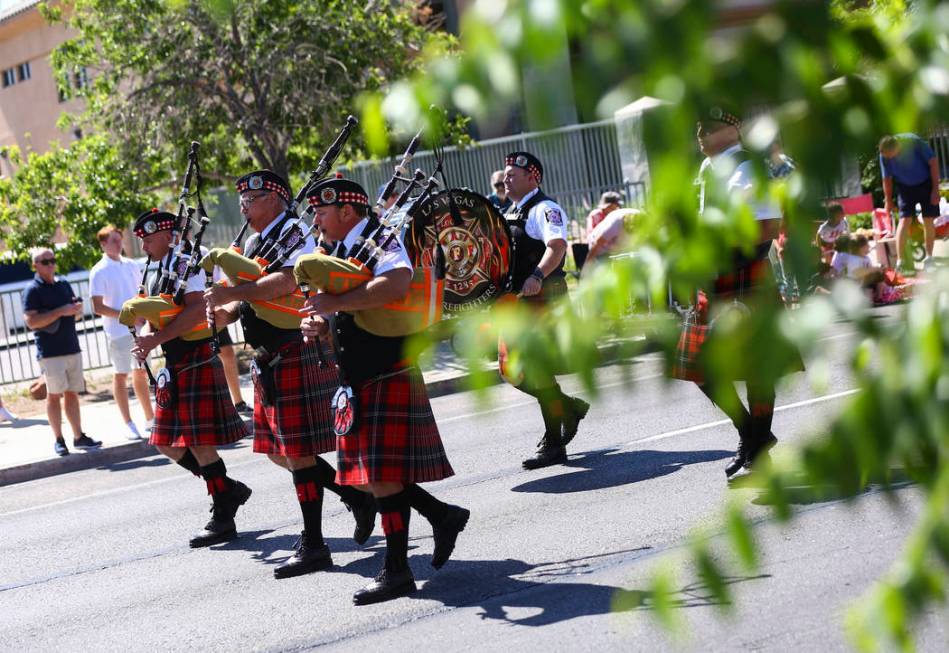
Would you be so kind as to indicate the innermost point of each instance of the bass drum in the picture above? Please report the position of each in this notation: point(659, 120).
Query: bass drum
point(477, 245)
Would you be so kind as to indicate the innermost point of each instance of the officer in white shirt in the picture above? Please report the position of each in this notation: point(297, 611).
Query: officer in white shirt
point(539, 233)
point(112, 281)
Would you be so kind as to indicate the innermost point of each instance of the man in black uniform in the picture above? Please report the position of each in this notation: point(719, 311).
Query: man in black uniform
point(394, 443)
point(539, 233)
point(293, 384)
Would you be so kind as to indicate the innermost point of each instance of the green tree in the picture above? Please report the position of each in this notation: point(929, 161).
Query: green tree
point(78, 189)
point(892, 78)
point(261, 83)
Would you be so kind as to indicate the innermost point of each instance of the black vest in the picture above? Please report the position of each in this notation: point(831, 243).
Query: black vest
point(528, 251)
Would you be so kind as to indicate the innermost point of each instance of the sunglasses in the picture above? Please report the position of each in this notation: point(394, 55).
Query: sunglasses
point(247, 201)
point(47, 261)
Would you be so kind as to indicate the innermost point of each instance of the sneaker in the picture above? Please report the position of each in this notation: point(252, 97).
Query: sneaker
point(6, 415)
point(243, 409)
point(85, 442)
point(133, 433)
point(60, 448)
point(149, 425)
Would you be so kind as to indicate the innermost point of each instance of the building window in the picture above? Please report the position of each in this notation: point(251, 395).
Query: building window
point(81, 78)
point(23, 71)
point(9, 77)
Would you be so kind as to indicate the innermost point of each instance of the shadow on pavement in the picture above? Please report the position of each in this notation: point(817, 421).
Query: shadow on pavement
point(23, 422)
point(154, 461)
point(606, 468)
point(525, 594)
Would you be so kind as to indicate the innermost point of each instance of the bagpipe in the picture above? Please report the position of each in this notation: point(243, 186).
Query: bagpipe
point(181, 262)
point(458, 242)
point(270, 254)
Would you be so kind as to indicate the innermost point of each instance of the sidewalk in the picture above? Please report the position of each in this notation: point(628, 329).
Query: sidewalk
point(26, 446)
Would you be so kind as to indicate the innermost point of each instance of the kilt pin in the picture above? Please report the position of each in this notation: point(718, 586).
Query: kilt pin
point(202, 414)
point(396, 438)
point(300, 421)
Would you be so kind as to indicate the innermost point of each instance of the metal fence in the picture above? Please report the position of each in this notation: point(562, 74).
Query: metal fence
point(17, 349)
point(580, 163)
point(939, 141)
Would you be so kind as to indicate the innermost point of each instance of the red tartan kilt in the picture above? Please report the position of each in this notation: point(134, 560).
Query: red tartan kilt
point(748, 284)
point(203, 414)
point(396, 439)
point(300, 422)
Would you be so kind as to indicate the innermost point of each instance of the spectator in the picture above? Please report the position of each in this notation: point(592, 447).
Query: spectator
point(499, 197)
point(50, 309)
point(908, 166)
point(609, 201)
point(112, 281)
point(833, 228)
point(610, 235)
point(6, 415)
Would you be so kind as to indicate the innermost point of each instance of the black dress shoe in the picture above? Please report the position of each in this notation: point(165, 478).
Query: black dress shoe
point(571, 420)
point(446, 532)
point(309, 557)
point(219, 529)
point(550, 452)
point(388, 585)
point(365, 515)
point(748, 453)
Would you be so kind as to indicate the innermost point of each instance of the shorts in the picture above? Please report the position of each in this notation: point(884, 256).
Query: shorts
point(63, 374)
point(120, 353)
point(907, 197)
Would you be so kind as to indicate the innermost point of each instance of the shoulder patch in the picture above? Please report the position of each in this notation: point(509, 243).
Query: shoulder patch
point(394, 246)
point(554, 216)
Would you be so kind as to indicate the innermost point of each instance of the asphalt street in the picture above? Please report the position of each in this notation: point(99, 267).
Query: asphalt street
point(551, 560)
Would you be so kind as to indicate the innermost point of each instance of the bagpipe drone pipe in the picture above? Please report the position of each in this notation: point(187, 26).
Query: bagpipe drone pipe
point(181, 262)
point(282, 312)
point(458, 242)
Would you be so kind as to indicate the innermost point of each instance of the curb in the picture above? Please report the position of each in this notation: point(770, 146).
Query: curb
point(610, 352)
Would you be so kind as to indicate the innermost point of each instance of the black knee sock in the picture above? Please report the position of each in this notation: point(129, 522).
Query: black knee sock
point(310, 496)
point(189, 462)
point(395, 523)
point(761, 409)
point(553, 403)
point(733, 408)
point(326, 477)
point(425, 504)
point(216, 477)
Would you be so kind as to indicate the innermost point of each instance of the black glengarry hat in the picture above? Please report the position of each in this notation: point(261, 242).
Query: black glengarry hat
point(265, 180)
point(332, 191)
point(153, 221)
point(528, 162)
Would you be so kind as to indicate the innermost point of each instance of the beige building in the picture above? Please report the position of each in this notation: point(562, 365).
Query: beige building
point(30, 103)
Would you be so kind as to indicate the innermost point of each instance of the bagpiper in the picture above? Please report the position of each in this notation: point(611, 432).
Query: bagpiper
point(194, 415)
point(539, 234)
point(293, 383)
point(728, 173)
point(389, 440)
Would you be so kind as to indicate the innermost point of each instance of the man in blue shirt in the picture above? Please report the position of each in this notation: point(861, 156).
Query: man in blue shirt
point(50, 309)
point(908, 164)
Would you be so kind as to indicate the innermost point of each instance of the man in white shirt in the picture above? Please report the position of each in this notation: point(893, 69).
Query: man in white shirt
point(112, 281)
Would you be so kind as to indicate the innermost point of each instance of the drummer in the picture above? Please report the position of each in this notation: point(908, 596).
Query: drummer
point(539, 234)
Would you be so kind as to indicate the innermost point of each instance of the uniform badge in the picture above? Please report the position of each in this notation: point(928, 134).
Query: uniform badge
point(344, 410)
point(394, 246)
point(715, 113)
point(520, 161)
point(328, 196)
point(554, 216)
point(150, 227)
point(255, 183)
